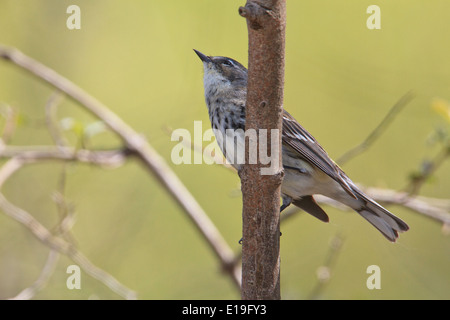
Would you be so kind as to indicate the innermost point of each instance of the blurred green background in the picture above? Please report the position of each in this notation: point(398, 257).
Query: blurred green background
point(136, 57)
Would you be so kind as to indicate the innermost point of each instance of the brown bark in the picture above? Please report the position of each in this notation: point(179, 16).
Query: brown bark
point(261, 193)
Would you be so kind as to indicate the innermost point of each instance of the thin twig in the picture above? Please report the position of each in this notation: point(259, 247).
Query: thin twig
point(380, 128)
point(62, 228)
point(39, 284)
point(33, 154)
point(427, 171)
point(137, 144)
point(436, 209)
point(51, 119)
point(433, 208)
point(56, 243)
point(324, 271)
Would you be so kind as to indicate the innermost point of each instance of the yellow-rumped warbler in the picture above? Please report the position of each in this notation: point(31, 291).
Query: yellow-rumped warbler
point(308, 168)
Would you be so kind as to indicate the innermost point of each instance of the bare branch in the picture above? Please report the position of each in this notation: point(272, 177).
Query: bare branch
point(39, 284)
point(382, 126)
point(324, 271)
point(436, 209)
point(428, 170)
point(62, 228)
point(135, 144)
point(54, 242)
point(33, 154)
point(51, 119)
point(138, 145)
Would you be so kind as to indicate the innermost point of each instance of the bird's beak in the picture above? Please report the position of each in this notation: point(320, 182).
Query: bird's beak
point(203, 57)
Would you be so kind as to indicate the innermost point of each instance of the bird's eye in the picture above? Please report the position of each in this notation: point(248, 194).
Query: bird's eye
point(227, 63)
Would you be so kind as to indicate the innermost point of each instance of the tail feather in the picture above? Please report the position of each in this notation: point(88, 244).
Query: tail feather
point(388, 224)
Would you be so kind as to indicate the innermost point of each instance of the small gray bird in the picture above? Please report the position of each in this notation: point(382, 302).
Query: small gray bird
point(308, 168)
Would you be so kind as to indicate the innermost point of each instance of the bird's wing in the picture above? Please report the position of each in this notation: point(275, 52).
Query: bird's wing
point(300, 140)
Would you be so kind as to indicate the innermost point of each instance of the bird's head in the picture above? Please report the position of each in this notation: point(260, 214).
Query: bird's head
point(222, 71)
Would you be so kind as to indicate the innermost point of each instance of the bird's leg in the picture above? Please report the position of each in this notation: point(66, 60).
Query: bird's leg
point(286, 203)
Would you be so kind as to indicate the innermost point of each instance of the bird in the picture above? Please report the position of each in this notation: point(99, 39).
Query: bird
point(308, 169)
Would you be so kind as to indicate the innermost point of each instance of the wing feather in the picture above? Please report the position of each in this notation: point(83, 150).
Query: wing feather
point(301, 141)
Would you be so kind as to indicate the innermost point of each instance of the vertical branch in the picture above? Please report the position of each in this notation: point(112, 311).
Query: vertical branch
point(261, 192)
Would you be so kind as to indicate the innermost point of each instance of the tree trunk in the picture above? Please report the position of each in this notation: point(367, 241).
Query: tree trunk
point(261, 191)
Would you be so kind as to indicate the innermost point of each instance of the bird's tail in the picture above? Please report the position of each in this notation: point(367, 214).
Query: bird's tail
point(388, 224)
